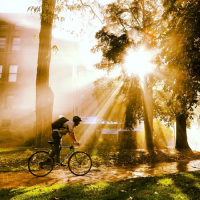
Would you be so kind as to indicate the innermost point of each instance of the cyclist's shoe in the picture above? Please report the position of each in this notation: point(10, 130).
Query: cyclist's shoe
point(63, 165)
point(41, 165)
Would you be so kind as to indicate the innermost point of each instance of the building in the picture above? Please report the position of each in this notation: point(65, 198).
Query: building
point(18, 68)
point(70, 81)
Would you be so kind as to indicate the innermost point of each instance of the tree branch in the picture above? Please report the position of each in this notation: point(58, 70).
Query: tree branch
point(86, 5)
point(118, 19)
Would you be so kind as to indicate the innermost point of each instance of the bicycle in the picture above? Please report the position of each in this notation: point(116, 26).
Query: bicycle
point(79, 162)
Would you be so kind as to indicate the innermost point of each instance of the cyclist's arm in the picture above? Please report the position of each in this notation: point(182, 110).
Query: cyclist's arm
point(72, 137)
point(71, 133)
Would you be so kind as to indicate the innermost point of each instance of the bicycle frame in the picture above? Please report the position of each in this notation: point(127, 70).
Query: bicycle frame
point(78, 162)
point(72, 148)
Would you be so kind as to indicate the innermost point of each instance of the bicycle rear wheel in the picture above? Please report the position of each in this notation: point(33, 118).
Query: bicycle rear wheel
point(79, 163)
point(38, 165)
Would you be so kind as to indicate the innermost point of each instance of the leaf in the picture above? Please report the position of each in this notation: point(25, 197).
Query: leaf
point(54, 190)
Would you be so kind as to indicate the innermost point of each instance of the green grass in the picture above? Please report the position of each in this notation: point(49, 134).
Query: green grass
point(183, 186)
point(14, 159)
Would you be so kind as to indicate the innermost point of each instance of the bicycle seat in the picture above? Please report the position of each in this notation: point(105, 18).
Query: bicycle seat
point(50, 142)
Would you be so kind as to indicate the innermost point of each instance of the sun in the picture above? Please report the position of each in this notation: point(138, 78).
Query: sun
point(138, 62)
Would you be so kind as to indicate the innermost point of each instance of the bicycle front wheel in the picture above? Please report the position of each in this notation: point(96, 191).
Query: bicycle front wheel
point(79, 163)
point(38, 164)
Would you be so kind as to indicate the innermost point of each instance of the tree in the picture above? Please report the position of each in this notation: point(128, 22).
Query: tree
point(49, 11)
point(123, 19)
point(180, 52)
point(44, 95)
point(118, 96)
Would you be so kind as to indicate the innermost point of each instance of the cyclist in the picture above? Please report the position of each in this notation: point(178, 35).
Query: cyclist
point(67, 128)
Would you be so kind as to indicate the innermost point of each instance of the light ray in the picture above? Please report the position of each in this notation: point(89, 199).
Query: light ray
point(138, 62)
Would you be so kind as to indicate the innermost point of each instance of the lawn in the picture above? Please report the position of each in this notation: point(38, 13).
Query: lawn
point(184, 186)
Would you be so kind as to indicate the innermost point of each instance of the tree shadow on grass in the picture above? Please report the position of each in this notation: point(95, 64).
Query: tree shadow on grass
point(188, 183)
point(170, 186)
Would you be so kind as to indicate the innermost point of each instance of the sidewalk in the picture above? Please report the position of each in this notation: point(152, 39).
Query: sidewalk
point(108, 174)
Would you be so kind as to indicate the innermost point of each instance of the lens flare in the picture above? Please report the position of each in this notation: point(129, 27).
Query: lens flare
point(138, 62)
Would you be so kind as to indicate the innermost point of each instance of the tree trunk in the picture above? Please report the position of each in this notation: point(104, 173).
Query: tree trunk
point(44, 94)
point(181, 133)
point(148, 116)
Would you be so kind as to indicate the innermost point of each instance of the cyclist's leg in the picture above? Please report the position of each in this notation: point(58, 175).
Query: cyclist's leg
point(56, 149)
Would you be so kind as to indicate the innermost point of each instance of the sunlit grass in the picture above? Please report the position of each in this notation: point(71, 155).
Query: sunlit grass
point(166, 182)
point(174, 186)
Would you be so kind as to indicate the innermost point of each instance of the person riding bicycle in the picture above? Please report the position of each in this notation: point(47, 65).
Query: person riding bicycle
point(67, 128)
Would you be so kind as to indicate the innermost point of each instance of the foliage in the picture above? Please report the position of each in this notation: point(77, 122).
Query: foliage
point(183, 185)
point(180, 52)
point(113, 48)
point(179, 61)
point(129, 25)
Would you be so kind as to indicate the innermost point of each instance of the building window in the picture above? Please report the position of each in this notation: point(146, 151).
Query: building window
point(3, 25)
point(6, 122)
point(16, 44)
point(12, 73)
point(18, 25)
point(9, 101)
point(1, 69)
point(2, 42)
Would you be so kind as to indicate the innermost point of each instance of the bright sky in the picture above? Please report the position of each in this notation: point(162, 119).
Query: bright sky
point(20, 6)
point(15, 6)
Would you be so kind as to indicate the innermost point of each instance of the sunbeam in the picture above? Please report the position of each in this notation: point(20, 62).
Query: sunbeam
point(138, 62)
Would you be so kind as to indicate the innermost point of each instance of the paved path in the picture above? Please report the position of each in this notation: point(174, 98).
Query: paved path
point(18, 179)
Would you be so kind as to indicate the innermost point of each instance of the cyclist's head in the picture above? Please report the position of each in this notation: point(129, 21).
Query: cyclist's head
point(76, 120)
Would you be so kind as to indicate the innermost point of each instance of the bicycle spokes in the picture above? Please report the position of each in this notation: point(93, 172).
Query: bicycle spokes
point(80, 163)
point(39, 165)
